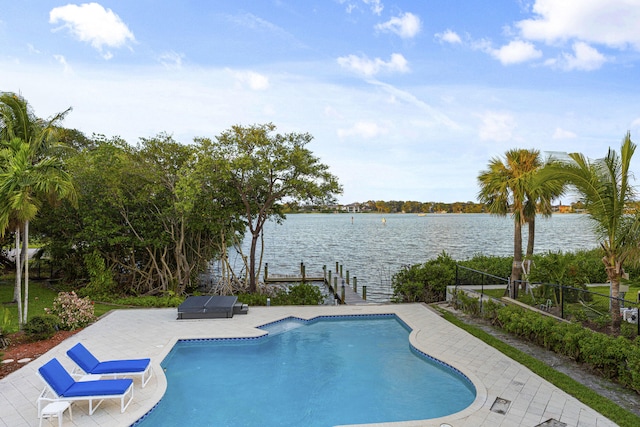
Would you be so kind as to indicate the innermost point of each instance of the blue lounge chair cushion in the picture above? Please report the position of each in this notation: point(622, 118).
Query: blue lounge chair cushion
point(56, 376)
point(98, 388)
point(121, 366)
point(64, 385)
point(91, 365)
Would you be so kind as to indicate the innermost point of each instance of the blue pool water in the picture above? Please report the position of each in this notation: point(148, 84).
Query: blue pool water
point(325, 372)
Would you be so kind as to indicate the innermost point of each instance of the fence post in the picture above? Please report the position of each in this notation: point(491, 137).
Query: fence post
point(364, 292)
point(347, 277)
point(355, 284)
point(266, 271)
point(561, 302)
point(481, 292)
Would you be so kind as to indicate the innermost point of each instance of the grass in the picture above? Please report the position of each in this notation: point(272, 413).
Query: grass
point(606, 407)
point(40, 297)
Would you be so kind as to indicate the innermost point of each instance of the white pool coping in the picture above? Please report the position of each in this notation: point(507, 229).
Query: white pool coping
point(153, 332)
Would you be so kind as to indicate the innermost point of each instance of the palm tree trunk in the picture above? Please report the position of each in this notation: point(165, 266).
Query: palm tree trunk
point(18, 288)
point(25, 246)
point(614, 272)
point(531, 224)
point(516, 268)
point(532, 236)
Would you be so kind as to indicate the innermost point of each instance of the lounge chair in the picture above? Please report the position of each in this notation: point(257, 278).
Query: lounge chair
point(61, 387)
point(119, 368)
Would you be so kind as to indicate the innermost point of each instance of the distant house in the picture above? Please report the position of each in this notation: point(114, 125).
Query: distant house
point(351, 208)
point(562, 208)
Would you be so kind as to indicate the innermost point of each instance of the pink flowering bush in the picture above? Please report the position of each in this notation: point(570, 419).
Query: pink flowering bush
point(74, 312)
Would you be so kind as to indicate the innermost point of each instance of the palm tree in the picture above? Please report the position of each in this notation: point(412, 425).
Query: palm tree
point(29, 172)
point(508, 186)
point(540, 195)
point(603, 186)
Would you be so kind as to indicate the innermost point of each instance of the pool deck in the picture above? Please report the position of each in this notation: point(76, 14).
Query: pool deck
point(153, 332)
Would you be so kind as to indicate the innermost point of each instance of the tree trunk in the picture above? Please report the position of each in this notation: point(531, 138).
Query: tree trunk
point(516, 268)
point(25, 250)
point(18, 289)
point(614, 273)
point(252, 263)
point(532, 236)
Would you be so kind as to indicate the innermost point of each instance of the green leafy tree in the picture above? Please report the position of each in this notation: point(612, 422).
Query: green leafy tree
point(605, 190)
point(156, 214)
point(265, 170)
point(30, 171)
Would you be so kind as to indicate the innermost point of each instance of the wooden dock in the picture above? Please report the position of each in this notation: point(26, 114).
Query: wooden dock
point(334, 281)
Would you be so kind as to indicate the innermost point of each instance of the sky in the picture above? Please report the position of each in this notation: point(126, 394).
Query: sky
point(406, 100)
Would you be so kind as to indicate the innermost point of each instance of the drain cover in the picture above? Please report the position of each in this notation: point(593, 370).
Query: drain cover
point(500, 406)
point(552, 423)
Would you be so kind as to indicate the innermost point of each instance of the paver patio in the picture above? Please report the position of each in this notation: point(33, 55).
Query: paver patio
point(153, 332)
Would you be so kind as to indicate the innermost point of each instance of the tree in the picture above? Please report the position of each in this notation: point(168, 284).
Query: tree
point(539, 196)
point(30, 171)
point(156, 214)
point(264, 170)
point(604, 189)
point(506, 187)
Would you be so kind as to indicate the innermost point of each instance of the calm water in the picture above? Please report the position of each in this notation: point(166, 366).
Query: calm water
point(373, 250)
point(324, 373)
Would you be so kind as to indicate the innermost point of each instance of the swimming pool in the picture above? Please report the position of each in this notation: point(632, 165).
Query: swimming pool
point(323, 372)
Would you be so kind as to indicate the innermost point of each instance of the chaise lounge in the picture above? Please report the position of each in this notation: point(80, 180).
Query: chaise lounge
point(61, 387)
point(119, 368)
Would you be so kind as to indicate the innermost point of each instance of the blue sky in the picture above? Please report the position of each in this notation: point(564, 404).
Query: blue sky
point(406, 100)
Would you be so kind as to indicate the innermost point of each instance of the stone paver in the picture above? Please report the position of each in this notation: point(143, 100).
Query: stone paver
point(153, 332)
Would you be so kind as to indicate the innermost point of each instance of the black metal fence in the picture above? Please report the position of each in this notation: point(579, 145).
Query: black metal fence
point(591, 309)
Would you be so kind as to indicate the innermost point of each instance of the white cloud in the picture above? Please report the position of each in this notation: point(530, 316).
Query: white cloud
point(406, 25)
point(32, 49)
point(255, 81)
point(563, 134)
point(496, 126)
point(376, 6)
point(366, 130)
point(370, 67)
point(93, 24)
point(584, 58)
point(635, 123)
point(65, 65)
point(448, 36)
point(517, 51)
point(171, 60)
point(610, 22)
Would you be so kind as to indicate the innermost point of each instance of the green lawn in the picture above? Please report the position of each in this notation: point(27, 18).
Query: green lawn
point(40, 297)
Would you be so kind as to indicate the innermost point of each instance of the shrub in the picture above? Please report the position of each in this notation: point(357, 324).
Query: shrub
point(301, 294)
point(41, 327)
point(74, 312)
point(102, 284)
point(494, 265)
point(425, 283)
point(169, 300)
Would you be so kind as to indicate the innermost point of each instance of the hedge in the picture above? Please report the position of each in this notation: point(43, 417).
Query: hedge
point(616, 358)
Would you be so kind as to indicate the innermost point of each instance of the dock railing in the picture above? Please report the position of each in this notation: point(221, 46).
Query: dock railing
point(339, 282)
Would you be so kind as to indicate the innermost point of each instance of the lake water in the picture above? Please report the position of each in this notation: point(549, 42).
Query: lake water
point(375, 246)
